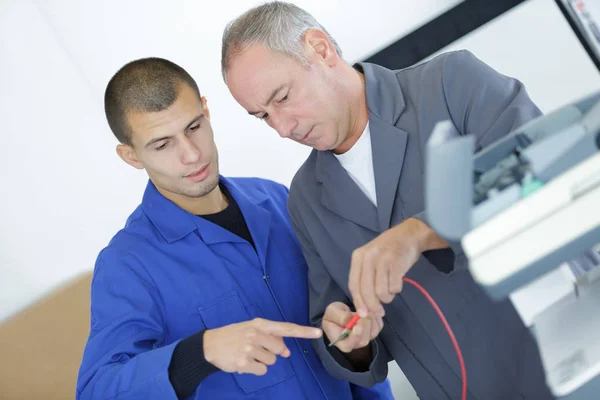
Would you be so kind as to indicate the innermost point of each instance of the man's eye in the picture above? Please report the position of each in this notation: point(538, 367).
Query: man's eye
point(264, 117)
point(284, 99)
point(161, 147)
point(193, 128)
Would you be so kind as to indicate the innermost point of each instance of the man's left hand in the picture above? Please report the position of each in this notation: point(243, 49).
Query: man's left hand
point(378, 267)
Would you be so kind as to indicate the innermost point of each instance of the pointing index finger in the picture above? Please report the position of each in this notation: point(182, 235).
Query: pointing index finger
point(287, 329)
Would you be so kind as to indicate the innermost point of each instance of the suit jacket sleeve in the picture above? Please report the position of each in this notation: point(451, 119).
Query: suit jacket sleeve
point(323, 290)
point(484, 103)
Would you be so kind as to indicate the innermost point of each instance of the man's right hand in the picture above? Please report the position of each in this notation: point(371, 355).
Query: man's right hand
point(336, 317)
point(250, 346)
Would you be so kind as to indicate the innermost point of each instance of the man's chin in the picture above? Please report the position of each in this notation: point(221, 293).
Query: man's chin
point(320, 146)
point(205, 187)
point(317, 145)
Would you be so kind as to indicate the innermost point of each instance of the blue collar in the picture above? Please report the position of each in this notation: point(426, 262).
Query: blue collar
point(174, 223)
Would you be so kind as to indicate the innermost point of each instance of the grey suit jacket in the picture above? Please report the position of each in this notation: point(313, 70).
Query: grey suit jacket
point(332, 217)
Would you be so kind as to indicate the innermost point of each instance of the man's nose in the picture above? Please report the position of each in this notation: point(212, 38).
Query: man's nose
point(283, 124)
point(190, 153)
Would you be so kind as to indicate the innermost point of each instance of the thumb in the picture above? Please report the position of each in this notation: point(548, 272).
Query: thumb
point(338, 313)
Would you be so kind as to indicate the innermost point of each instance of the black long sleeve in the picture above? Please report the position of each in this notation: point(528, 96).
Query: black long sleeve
point(188, 367)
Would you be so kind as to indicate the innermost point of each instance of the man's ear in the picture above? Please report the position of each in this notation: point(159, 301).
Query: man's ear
point(128, 155)
point(317, 43)
point(205, 107)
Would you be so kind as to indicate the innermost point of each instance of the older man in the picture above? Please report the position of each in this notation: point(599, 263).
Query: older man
point(357, 202)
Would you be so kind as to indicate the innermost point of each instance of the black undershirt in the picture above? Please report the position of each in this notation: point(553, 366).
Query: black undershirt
point(231, 218)
point(188, 367)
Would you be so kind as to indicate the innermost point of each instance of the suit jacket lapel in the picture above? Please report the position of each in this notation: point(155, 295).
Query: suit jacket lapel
point(341, 195)
point(386, 104)
point(339, 192)
point(388, 147)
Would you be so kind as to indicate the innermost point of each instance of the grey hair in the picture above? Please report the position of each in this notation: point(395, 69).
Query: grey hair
point(278, 26)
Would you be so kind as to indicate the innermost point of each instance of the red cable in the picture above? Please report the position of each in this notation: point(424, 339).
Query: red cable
point(461, 361)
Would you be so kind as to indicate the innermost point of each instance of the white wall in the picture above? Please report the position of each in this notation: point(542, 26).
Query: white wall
point(534, 43)
point(65, 192)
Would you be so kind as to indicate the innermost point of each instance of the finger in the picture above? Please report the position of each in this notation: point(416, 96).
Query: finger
point(287, 329)
point(354, 280)
point(382, 284)
point(367, 288)
point(262, 355)
point(360, 336)
point(332, 331)
point(376, 326)
point(354, 339)
point(338, 305)
point(366, 331)
point(273, 344)
point(338, 314)
point(395, 280)
point(350, 343)
point(380, 323)
point(247, 366)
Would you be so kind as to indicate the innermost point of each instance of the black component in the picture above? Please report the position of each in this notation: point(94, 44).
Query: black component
point(431, 37)
point(577, 29)
point(523, 140)
point(503, 179)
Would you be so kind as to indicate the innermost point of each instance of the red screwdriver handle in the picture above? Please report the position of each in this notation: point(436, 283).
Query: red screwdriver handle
point(352, 321)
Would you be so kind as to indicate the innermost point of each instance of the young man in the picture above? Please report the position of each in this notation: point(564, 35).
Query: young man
point(203, 294)
point(357, 202)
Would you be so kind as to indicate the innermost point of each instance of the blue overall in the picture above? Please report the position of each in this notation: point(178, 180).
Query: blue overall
point(169, 274)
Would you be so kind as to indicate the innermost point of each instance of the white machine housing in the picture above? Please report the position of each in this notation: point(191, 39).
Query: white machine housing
point(521, 208)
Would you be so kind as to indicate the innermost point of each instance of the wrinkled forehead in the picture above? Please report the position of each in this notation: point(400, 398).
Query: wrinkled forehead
point(255, 72)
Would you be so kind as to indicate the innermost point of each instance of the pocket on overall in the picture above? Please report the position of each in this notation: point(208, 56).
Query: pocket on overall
point(229, 309)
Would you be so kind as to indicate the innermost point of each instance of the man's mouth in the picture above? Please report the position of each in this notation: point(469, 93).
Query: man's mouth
point(307, 135)
point(199, 174)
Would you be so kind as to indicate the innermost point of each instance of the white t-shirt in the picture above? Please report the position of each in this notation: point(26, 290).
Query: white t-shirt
point(358, 162)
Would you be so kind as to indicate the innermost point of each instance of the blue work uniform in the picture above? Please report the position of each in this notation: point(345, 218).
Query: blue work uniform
point(169, 274)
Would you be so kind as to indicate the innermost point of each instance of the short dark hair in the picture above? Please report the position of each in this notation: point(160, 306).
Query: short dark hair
point(144, 85)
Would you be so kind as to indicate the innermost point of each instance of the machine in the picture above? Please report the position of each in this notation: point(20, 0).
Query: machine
point(522, 208)
point(526, 210)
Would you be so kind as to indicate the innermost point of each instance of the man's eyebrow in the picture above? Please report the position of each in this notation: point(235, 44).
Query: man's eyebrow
point(192, 122)
point(270, 99)
point(150, 143)
point(196, 119)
